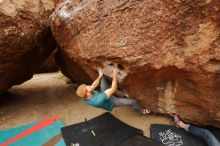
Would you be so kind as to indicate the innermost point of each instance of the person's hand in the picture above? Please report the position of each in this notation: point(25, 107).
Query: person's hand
point(115, 71)
point(100, 70)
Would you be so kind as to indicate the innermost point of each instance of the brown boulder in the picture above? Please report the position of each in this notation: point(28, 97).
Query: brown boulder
point(25, 39)
point(168, 51)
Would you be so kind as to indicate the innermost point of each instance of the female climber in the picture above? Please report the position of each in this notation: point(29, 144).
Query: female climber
point(105, 99)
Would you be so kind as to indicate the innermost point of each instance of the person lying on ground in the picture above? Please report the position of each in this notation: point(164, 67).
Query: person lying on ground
point(105, 99)
point(205, 134)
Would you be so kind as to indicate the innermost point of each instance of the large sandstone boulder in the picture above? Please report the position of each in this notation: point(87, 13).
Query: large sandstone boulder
point(168, 51)
point(25, 39)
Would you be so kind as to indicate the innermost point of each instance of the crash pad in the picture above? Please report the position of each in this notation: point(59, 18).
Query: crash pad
point(33, 134)
point(140, 140)
point(104, 130)
point(171, 135)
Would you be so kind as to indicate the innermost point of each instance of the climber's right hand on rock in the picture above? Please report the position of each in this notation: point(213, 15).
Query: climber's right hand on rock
point(115, 71)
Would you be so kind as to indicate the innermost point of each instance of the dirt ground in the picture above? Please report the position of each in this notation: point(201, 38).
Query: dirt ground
point(49, 94)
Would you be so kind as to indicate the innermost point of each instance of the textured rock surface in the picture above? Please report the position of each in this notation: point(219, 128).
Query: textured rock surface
point(168, 51)
point(25, 39)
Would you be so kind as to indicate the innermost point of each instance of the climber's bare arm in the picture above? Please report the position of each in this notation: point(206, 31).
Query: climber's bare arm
point(114, 86)
point(97, 81)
